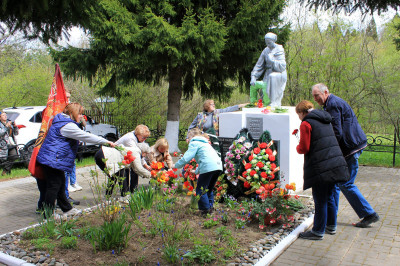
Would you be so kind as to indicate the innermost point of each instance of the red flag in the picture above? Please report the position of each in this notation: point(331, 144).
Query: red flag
point(55, 104)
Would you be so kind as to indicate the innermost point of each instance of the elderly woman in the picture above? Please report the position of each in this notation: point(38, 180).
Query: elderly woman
point(8, 150)
point(209, 118)
point(130, 139)
point(57, 155)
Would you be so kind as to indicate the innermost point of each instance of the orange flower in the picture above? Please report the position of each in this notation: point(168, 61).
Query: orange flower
point(154, 165)
point(153, 173)
point(160, 165)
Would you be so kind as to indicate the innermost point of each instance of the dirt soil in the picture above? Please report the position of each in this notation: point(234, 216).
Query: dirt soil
point(144, 249)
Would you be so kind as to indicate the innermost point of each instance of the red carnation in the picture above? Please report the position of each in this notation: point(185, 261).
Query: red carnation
point(256, 150)
point(271, 157)
point(264, 174)
point(260, 164)
point(273, 166)
point(251, 157)
point(295, 131)
point(272, 176)
point(263, 145)
point(246, 184)
point(268, 151)
point(244, 174)
point(247, 166)
point(253, 172)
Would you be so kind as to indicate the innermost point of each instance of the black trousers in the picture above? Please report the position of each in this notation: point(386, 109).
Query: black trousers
point(123, 175)
point(55, 188)
point(8, 162)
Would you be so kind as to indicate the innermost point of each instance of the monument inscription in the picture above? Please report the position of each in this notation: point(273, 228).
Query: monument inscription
point(255, 126)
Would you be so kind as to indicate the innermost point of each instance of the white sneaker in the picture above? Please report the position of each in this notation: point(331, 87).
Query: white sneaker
point(76, 186)
point(71, 188)
point(72, 212)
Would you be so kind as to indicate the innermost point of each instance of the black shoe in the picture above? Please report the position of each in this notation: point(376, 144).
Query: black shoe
point(310, 236)
point(74, 202)
point(330, 231)
point(368, 220)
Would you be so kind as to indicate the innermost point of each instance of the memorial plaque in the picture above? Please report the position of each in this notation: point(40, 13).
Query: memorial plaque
point(225, 143)
point(255, 126)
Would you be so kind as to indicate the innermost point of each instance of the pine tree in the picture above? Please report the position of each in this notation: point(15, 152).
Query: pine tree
point(192, 44)
point(44, 19)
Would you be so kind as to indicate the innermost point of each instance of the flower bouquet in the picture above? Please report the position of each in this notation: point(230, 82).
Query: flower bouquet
point(239, 149)
point(163, 177)
point(260, 167)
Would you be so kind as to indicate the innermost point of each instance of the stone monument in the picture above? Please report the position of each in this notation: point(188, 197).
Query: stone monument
point(272, 63)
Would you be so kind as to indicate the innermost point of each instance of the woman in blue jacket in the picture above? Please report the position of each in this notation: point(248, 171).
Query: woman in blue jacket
point(57, 155)
point(210, 167)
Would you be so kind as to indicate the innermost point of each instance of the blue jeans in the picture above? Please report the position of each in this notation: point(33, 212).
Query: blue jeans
point(353, 195)
point(70, 176)
point(205, 185)
point(325, 208)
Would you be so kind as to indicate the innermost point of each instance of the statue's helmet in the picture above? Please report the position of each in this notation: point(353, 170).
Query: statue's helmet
point(271, 36)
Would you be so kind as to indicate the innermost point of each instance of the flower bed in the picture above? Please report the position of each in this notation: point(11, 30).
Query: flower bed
point(167, 231)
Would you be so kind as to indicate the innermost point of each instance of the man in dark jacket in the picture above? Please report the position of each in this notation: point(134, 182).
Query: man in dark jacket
point(352, 140)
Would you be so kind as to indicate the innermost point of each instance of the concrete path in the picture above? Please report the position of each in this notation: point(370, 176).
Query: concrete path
point(378, 245)
point(18, 199)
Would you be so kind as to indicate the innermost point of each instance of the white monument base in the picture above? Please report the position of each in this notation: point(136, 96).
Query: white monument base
point(280, 126)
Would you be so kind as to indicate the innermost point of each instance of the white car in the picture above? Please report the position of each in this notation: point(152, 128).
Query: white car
point(29, 119)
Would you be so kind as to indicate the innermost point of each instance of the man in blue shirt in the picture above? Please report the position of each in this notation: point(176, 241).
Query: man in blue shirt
point(352, 140)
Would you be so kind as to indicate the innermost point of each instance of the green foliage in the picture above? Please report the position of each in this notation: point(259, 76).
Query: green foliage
point(201, 253)
point(66, 228)
point(44, 244)
point(45, 19)
point(210, 223)
point(111, 235)
point(171, 253)
point(69, 242)
point(25, 76)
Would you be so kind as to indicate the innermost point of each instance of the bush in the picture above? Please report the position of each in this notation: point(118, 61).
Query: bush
point(69, 242)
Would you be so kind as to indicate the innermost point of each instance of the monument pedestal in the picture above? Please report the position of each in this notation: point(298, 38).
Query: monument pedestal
point(280, 126)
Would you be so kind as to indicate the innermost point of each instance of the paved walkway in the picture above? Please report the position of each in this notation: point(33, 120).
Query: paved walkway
point(378, 245)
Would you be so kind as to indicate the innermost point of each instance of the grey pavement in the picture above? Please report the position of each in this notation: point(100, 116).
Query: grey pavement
point(378, 245)
point(18, 199)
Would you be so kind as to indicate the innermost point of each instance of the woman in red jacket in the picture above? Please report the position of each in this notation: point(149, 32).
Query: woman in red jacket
point(324, 166)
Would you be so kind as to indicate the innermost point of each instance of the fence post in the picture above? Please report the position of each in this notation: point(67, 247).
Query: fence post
point(394, 147)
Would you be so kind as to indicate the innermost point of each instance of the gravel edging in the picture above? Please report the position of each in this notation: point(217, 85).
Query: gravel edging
point(262, 252)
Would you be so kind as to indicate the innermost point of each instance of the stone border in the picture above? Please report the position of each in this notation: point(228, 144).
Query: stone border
point(274, 253)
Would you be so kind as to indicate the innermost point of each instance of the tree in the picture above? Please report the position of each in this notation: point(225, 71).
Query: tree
point(25, 76)
point(45, 19)
point(191, 44)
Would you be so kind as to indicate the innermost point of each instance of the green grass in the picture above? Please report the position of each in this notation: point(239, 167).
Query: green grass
point(384, 159)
